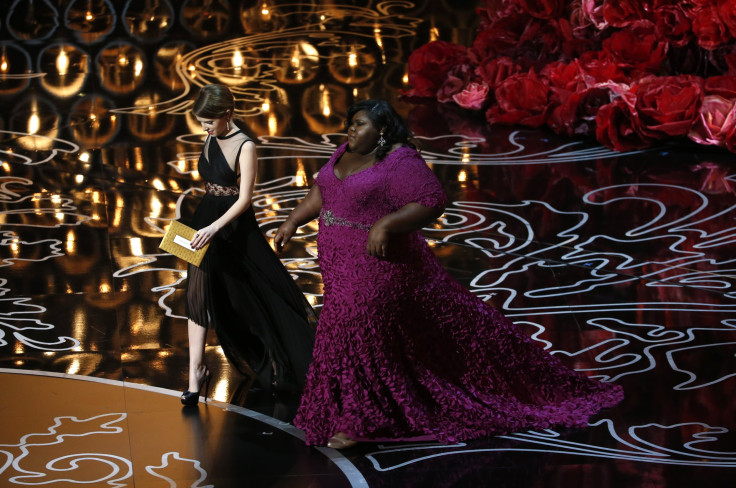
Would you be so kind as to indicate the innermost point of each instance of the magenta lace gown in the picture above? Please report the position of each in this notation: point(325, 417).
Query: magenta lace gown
point(402, 349)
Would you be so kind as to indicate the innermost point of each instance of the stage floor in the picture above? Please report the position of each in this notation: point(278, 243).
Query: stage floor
point(620, 264)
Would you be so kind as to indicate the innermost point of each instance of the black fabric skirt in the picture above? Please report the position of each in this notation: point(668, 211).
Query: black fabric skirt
point(263, 321)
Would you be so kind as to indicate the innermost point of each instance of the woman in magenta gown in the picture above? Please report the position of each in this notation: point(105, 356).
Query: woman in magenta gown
point(402, 349)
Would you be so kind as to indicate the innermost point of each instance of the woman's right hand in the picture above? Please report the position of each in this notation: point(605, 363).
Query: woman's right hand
point(283, 235)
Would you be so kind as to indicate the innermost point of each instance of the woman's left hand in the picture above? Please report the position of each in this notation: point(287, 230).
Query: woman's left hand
point(203, 236)
point(378, 238)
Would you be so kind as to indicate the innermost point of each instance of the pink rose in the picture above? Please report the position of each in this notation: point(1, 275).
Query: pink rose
point(473, 96)
point(716, 118)
point(456, 80)
point(593, 12)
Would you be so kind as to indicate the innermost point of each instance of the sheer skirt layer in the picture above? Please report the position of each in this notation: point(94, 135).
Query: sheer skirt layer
point(261, 318)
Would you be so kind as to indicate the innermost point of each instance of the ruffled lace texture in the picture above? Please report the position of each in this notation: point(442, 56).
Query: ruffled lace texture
point(404, 350)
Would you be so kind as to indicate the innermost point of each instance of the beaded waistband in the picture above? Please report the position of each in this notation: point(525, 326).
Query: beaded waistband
point(220, 191)
point(329, 219)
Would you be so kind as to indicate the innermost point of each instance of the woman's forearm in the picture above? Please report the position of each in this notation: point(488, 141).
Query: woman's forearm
point(237, 208)
point(308, 209)
point(410, 217)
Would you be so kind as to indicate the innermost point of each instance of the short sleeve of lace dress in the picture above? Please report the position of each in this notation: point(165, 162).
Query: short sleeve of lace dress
point(411, 180)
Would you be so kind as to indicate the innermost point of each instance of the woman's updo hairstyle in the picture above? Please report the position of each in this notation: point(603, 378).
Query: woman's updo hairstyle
point(213, 102)
point(384, 117)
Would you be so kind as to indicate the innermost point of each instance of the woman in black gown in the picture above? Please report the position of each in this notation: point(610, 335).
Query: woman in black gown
point(262, 320)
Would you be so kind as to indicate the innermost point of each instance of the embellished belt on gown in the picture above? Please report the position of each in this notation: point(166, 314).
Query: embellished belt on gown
point(330, 218)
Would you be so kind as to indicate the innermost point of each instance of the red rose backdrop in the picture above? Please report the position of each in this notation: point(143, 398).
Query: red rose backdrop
point(627, 72)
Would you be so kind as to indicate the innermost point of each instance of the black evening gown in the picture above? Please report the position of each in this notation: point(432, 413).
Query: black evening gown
point(263, 322)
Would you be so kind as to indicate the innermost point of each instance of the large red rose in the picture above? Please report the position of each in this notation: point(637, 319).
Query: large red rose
point(637, 46)
point(716, 118)
point(428, 66)
point(673, 24)
point(667, 105)
point(520, 99)
point(600, 67)
point(621, 13)
point(543, 9)
point(495, 70)
point(575, 116)
point(564, 76)
point(708, 27)
point(616, 127)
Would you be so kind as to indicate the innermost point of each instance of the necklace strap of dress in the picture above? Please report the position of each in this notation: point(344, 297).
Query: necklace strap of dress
point(229, 135)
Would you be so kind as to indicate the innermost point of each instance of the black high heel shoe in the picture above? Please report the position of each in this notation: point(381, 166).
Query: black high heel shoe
point(191, 398)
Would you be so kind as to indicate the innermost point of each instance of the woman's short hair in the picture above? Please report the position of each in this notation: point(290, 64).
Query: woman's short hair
point(384, 117)
point(213, 102)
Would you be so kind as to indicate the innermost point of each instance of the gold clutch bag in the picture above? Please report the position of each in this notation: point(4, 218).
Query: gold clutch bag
point(176, 241)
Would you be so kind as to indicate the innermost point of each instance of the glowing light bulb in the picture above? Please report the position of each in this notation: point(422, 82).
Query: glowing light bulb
point(272, 124)
point(325, 101)
point(62, 63)
point(4, 68)
point(295, 59)
point(136, 246)
point(237, 60)
point(34, 123)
